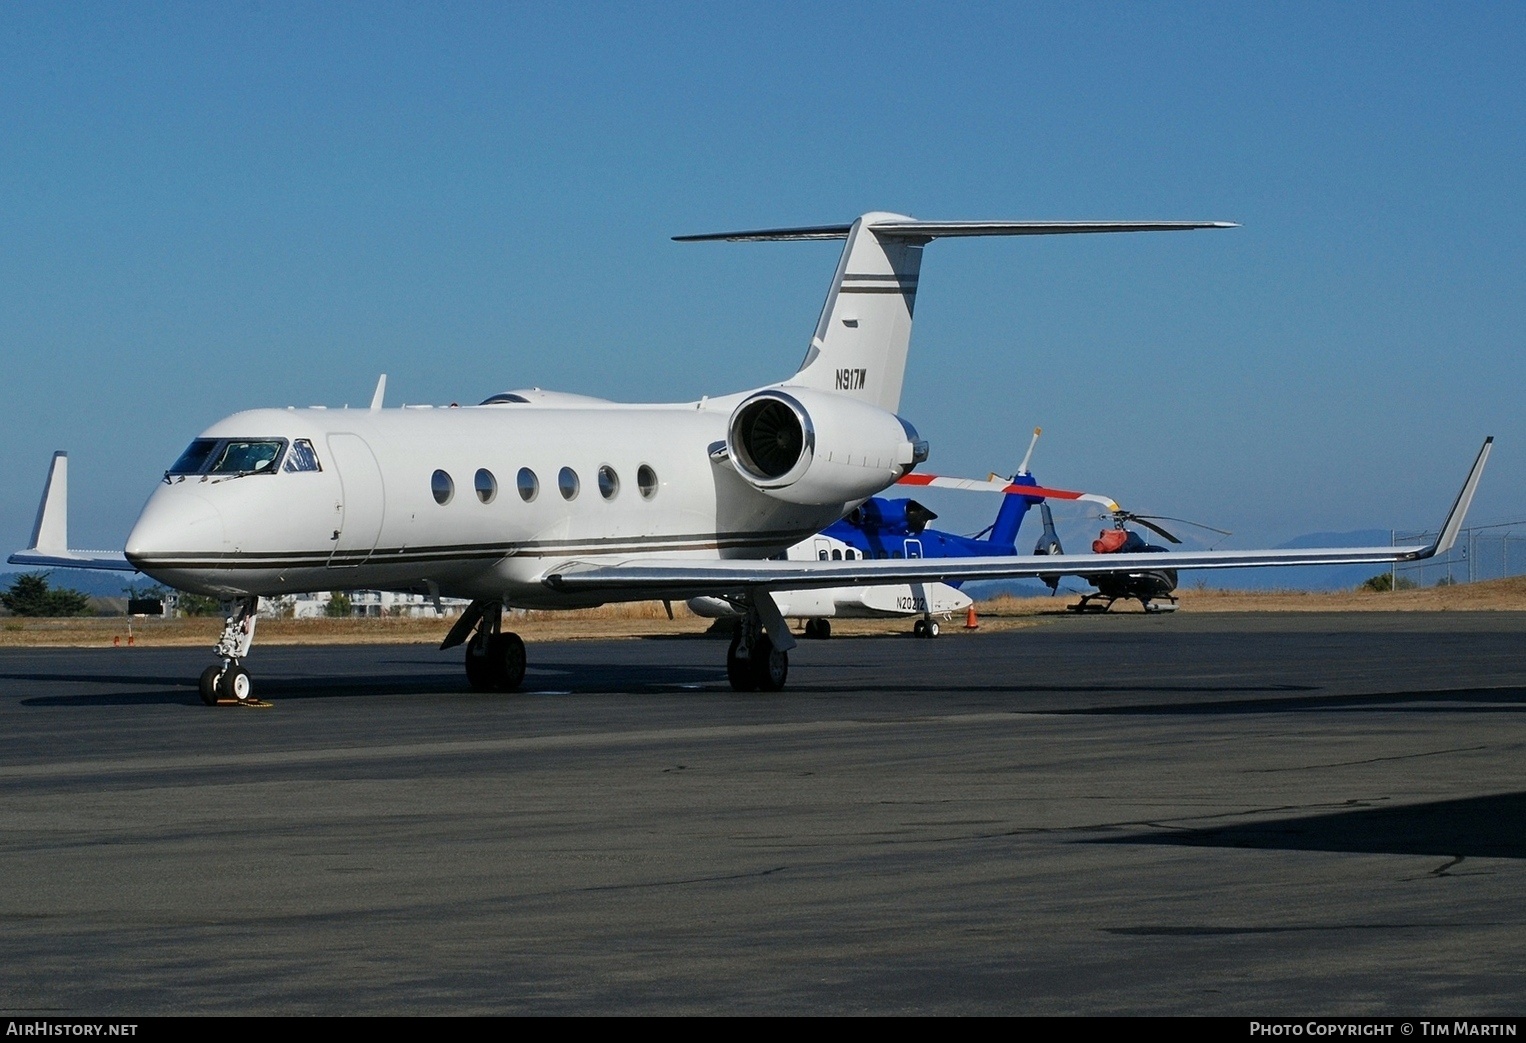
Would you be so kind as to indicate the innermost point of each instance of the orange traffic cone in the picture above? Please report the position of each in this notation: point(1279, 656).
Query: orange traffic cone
point(969, 620)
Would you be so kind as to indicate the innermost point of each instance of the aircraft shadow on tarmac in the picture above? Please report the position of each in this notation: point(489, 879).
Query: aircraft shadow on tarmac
point(581, 678)
point(1473, 827)
point(1438, 700)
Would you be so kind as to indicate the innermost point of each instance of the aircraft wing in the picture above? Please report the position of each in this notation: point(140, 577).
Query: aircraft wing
point(111, 561)
point(50, 533)
point(680, 577)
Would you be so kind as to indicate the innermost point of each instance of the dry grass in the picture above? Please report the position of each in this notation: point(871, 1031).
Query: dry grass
point(649, 619)
point(1499, 595)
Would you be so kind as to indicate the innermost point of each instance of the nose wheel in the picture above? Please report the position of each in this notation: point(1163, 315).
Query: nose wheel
point(228, 680)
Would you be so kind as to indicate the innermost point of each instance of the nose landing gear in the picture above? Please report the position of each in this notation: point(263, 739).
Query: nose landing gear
point(229, 680)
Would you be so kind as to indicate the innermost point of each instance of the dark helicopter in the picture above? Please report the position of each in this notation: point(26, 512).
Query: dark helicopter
point(1154, 589)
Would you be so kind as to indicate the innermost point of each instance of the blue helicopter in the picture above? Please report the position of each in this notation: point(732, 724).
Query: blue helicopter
point(883, 527)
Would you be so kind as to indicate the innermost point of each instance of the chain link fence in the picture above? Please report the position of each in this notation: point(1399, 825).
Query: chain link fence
point(1483, 552)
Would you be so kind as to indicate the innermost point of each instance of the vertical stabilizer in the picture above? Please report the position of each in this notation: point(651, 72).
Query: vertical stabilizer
point(861, 340)
point(1009, 518)
point(50, 533)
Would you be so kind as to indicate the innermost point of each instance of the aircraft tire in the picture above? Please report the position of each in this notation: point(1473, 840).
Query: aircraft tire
point(823, 628)
point(478, 667)
point(208, 684)
point(769, 666)
point(507, 654)
point(932, 628)
point(236, 684)
point(919, 628)
point(739, 671)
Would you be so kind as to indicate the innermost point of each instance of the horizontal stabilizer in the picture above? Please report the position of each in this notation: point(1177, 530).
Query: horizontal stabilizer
point(907, 228)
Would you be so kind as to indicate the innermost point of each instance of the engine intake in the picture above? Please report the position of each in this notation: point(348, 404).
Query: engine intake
point(810, 447)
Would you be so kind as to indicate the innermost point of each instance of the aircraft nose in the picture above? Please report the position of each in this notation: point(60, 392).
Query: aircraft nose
point(174, 522)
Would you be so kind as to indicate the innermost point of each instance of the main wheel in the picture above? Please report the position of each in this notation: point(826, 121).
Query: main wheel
point(236, 684)
point(823, 628)
point(208, 684)
point(770, 666)
point(479, 667)
point(507, 653)
point(932, 628)
point(739, 671)
point(919, 628)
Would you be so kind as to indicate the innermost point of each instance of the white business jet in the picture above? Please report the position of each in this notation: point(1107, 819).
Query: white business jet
point(537, 499)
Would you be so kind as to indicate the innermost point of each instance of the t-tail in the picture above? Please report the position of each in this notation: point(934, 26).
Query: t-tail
point(864, 332)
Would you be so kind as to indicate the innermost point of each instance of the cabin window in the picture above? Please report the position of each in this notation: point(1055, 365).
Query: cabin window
point(609, 482)
point(486, 484)
point(529, 485)
point(567, 482)
point(646, 481)
point(836, 554)
point(850, 554)
point(443, 488)
point(301, 457)
point(821, 555)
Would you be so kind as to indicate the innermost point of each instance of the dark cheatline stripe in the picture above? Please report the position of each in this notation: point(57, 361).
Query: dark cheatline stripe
point(603, 545)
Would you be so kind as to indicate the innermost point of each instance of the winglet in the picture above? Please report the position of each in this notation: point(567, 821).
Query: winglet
point(1453, 524)
point(380, 393)
point(50, 533)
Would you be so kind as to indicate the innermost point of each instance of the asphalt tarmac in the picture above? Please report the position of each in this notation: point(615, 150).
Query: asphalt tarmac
point(1244, 815)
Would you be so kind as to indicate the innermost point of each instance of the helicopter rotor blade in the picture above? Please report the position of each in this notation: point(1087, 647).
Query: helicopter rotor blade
point(1152, 527)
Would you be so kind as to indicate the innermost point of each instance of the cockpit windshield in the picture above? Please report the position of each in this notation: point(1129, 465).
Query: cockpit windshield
point(236, 457)
point(229, 456)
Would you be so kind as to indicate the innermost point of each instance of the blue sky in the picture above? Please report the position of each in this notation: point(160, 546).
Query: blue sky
point(216, 207)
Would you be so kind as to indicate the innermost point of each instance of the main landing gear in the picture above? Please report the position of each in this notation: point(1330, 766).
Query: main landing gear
point(495, 658)
point(228, 679)
point(927, 626)
point(754, 663)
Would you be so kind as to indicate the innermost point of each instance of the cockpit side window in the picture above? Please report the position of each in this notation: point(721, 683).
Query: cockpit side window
point(194, 459)
point(236, 456)
point(301, 457)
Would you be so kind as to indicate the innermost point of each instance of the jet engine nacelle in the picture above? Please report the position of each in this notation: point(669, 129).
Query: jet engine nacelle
point(810, 447)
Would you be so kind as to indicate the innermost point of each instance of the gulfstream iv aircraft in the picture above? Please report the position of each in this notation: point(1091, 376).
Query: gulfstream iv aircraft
point(537, 499)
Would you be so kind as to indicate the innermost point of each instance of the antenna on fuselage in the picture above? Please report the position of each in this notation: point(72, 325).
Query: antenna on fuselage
point(1022, 468)
point(381, 392)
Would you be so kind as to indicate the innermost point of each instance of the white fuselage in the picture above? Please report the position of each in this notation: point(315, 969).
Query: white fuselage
point(369, 518)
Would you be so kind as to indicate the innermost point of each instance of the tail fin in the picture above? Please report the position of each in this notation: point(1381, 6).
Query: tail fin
point(1049, 543)
point(864, 331)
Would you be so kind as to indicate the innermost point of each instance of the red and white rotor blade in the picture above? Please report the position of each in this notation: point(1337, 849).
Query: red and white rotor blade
point(980, 485)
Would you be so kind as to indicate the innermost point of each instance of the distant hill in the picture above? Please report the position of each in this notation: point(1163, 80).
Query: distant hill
point(1301, 577)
